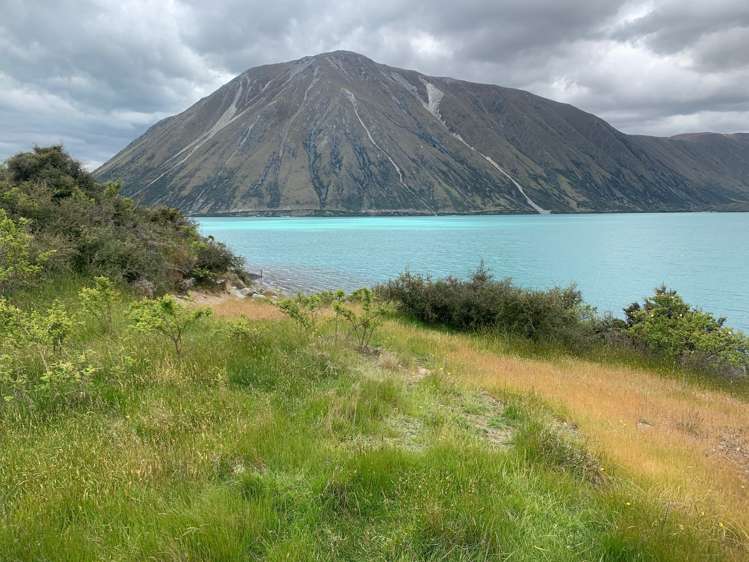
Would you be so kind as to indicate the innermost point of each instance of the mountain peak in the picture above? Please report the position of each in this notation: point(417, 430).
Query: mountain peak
point(342, 54)
point(337, 133)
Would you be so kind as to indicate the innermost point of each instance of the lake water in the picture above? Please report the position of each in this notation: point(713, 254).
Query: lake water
point(613, 258)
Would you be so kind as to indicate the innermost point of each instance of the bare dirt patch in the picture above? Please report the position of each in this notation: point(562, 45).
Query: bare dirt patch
point(733, 444)
point(226, 305)
point(484, 418)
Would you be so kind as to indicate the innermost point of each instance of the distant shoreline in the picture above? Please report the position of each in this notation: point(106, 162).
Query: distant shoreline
point(297, 213)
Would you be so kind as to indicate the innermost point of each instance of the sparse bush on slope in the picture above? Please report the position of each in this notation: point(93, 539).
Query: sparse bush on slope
point(482, 302)
point(19, 260)
point(166, 317)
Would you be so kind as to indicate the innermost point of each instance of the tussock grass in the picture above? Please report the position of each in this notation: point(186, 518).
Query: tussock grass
point(293, 446)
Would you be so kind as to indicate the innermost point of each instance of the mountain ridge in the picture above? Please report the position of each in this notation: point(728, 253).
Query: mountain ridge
point(338, 133)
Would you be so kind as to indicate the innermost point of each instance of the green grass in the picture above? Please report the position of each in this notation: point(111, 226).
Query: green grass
point(295, 447)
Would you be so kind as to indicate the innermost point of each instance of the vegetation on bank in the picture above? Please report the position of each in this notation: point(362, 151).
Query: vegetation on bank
point(330, 427)
point(664, 327)
point(55, 217)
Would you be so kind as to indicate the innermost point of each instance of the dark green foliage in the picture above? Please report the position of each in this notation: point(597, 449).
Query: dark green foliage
point(664, 328)
point(664, 324)
point(214, 258)
point(481, 302)
point(52, 167)
point(87, 228)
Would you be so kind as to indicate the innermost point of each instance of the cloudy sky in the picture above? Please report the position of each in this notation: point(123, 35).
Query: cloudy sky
point(94, 74)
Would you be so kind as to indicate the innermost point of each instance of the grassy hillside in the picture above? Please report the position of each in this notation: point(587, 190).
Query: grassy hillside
point(266, 440)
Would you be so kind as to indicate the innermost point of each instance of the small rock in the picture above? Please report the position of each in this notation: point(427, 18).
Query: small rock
point(242, 293)
point(144, 288)
point(642, 423)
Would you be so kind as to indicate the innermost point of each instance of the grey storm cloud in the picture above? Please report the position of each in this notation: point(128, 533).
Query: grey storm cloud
point(94, 74)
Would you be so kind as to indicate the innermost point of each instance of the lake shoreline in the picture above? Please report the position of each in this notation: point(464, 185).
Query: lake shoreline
point(334, 213)
point(614, 259)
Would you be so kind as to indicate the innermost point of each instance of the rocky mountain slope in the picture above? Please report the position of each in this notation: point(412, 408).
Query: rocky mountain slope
point(338, 133)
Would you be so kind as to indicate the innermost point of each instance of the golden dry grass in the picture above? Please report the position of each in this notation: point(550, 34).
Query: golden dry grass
point(687, 445)
point(228, 306)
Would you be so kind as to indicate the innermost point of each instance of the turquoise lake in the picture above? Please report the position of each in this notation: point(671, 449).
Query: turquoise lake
point(614, 259)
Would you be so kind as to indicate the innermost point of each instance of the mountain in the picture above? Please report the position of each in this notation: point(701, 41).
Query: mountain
point(338, 133)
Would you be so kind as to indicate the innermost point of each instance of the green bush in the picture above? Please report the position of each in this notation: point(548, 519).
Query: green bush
point(663, 327)
point(19, 262)
point(52, 208)
point(165, 316)
point(664, 324)
point(212, 259)
point(37, 362)
point(362, 321)
point(481, 302)
point(304, 310)
point(98, 301)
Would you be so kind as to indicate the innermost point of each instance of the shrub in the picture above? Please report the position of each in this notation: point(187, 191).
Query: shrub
point(98, 301)
point(668, 326)
point(481, 302)
point(63, 380)
point(167, 317)
point(303, 309)
point(10, 322)
point(44, 332)
point(39, 338)
point(52, 207)
point(364, 322)
point(18, 260)
point(51, 328)
point(245, 331)
point(213, 258)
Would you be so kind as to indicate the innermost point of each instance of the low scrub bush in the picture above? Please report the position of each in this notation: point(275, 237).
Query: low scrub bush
point(664, 327)
point(667, 326)
point(363, 319)
point(304, 310)
point(482, 302)
point(37, 363)
point(98, 302)
point(19, 260)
